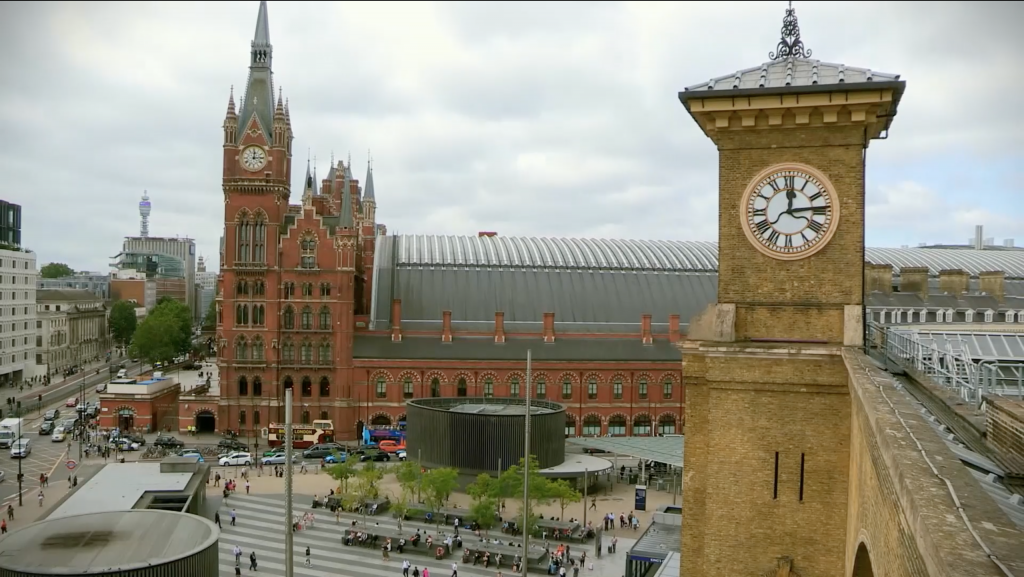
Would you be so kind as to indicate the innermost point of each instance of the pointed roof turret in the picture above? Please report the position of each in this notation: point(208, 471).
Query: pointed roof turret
point(368, 187)
point(259, 89)
point(231, 101)
point(347, 218)
point(310, 181)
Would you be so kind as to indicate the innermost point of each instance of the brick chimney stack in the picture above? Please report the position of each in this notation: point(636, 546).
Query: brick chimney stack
point(499, 327)
point(878, 277)
point(993, 283)
point(446, 327)
point(954, 281)
point(549, 327)
point(645, 330)
point(396, 321)
point(673, 328)
point(914, 280)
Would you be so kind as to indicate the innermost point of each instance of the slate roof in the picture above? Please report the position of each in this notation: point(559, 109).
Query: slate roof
point(975, 302)
point(513, 349)
point(592, 285)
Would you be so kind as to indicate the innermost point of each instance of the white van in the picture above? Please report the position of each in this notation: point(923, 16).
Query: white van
point(21, 448)
point(122, 374)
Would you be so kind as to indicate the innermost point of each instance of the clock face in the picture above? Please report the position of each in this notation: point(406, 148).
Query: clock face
point(790, 211)
point(254, 158)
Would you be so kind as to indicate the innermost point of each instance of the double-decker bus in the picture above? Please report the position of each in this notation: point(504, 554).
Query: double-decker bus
point(394, 433)
point(303, 436)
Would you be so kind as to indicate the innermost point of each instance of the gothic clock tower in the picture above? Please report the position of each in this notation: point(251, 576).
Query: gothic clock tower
point(768, 409)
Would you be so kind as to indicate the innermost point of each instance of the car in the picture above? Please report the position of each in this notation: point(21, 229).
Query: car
point(92, 411)
point(51, 415)
point(101, 388)
point(134, 438)
point(236, 459)
point(21, 448)
point(191, 453)
point(81, 408)
point(59, 435)
point(167, 441)
point(401, 455)
point(279, 459)
point(321, 450)
point(232, 445)
point(72, 402)
point(374, 455)
point(69, 424)
point(123, 445)
point(390, 446)
point(594, 451)
point(46, 428)
point(335, 458)
point(274, 451)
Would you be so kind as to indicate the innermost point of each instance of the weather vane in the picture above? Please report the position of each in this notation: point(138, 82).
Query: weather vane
point(790, 46)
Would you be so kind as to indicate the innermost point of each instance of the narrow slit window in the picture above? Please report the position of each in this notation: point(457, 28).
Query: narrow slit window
point(775, 484)
point(801, 476)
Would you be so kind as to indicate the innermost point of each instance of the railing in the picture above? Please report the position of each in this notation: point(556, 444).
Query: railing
point(950, 365)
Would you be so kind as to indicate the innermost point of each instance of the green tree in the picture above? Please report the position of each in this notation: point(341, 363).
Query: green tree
point(561, 491)
point(210, 320)
point(484, 486)
point(55, 270)
point(154, 340)
point(410, 476)
point(510, 484)
point(364, 488)
point(123, 322)
point(484, 512)
point(438, 485)
point(342, 473)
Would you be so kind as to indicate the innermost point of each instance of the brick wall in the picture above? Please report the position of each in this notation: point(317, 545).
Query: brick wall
point(1005, 426)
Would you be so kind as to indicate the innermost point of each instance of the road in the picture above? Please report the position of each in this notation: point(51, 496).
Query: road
point(48, 457)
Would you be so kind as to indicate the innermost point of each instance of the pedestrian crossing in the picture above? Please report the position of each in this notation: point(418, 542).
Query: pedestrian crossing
point(260, 527)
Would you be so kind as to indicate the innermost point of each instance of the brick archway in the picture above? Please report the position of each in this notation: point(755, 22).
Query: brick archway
point(378, 419)
point(862, 562)
point(205, 419)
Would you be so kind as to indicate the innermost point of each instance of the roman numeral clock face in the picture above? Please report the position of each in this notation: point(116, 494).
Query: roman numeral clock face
point(789, 212)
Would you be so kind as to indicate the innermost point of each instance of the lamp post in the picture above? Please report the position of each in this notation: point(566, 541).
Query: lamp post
point(289, 537)
point(526, 469)
point(21, 476)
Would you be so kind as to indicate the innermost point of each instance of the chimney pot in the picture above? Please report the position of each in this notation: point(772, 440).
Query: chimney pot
point(396, 320)
point(499, 327)
point(446, 330)
point(673, 328)
point(954, 281)
point(549, 327)
point(645, 329)
point(994, 283)
point(914, 280)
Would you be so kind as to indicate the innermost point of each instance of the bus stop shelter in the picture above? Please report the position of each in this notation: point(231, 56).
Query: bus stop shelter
point(668, 450)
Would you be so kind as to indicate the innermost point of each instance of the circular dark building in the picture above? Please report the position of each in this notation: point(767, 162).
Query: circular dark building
point(138, 543)
point(479, 435)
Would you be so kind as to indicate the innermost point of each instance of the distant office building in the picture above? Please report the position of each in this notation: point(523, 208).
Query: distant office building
point(206, 281)
point(10, 224)
point(94, 282)
point(170, 262)
point(17, 307)
point(72, 329)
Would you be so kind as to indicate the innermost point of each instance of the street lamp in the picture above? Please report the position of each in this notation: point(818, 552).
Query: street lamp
point(21, 476)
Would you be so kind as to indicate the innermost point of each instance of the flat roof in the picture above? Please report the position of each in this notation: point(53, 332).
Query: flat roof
point(102, 543)
point(118, 486)
point(657, 542)
point(482, 409)
point(577, 465)
point(669, 567)
point(668, 450)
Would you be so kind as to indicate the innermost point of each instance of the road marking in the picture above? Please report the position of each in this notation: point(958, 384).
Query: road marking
point(14, 497)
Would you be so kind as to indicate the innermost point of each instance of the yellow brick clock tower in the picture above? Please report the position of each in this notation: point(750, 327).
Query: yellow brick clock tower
point(768, 407)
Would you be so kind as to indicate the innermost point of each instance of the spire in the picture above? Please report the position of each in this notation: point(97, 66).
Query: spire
point(790, 46)
point(368, 188)
point(309, 175)
point(347, 217)
point(259, 90)
point(280, 101)
point(231, 101)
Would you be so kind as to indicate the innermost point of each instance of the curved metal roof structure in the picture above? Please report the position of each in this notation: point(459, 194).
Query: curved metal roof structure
point(973, 261)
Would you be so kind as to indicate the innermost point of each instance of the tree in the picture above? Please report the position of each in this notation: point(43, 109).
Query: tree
point(56, 270)
point(154, 340)
point(485, 486)
point(484, 512)
point(342, 473)
point(564, 493)
point(410, 476)
point(365, 487)
point(438, 485)
point(123, 322)
point(210, 320)
point(510, 484)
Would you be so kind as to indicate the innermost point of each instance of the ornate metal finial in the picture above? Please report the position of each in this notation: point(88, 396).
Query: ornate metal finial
point(790, 46)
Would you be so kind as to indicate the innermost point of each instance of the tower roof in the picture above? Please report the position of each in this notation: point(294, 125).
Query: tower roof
point(368, 190)
point(346, 217)
point(259, 88)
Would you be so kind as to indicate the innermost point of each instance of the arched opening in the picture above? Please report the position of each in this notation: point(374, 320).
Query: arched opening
point(206, 422)
point(667, 425)
point(126, 418)
point(288, 383)
point(570, 425)
point(359, 430)
point(461, 388)
point(381, 421)
point(243, 386)
point(591, 426)
point(641, 426)
point(307, 387)
point(435, 387)
point(616, 426)
point(325, 387)
point(862, 563)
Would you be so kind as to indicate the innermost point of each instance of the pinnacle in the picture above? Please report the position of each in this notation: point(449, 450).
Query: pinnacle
point(231, 100)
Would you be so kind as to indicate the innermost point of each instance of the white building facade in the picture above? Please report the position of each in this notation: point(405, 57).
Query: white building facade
point(18, 275)
point(73, 330)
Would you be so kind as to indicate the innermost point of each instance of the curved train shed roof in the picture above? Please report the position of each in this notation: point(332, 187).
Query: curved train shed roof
point(592, 285)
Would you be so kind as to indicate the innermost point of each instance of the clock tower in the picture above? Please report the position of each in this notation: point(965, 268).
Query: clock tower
point(768, 408)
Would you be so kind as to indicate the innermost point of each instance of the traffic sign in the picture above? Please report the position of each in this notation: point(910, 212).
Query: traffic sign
point(71, 464)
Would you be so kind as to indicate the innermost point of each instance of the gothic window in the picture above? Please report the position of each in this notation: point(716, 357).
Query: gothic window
point(257, 391)
point(289, 317)
point(591, 426)
point(241, 349)
point(289, 290)
point(241, 288)
point(241, 314)
point(460, 389)
point(257, 349)
point(288, 383)
point(666, 392)
point(513, 387)
point(307, 387)
point(259, 240)
point(407, 387)
point(667, 425)
point(307, 318)
point(243, 238)
point(259, 288)
point(642, 388)
point(308, 255)
point(382, 388)
point(325, 319)
point(566, 388)
point(306, 350)
point(288, 351)
point(325, 387)
point(488, 387)
point(255, 416)
point(435, 387)
point(258, 315)
point(641, 426)
point(325, 289)
point(542, 388)
point(243, 386)
point(325, 352)
point(592, 388)
point(616, 425)
point(307, 289)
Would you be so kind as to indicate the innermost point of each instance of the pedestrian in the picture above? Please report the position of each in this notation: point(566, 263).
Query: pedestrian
point(232, 517)
point(426, 572)
point(3, 526)
point(593, 503)
point(252, 561)
point(238, 555)
point(247, 486)
point(309, 562)
point(10, 512)
point(216, 480)
point(416, 571)
point(40, 498)
point(455, 570)
point(405, 568)
point(216, 519)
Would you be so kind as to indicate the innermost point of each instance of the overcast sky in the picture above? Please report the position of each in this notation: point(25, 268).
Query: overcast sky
point(539, 119)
